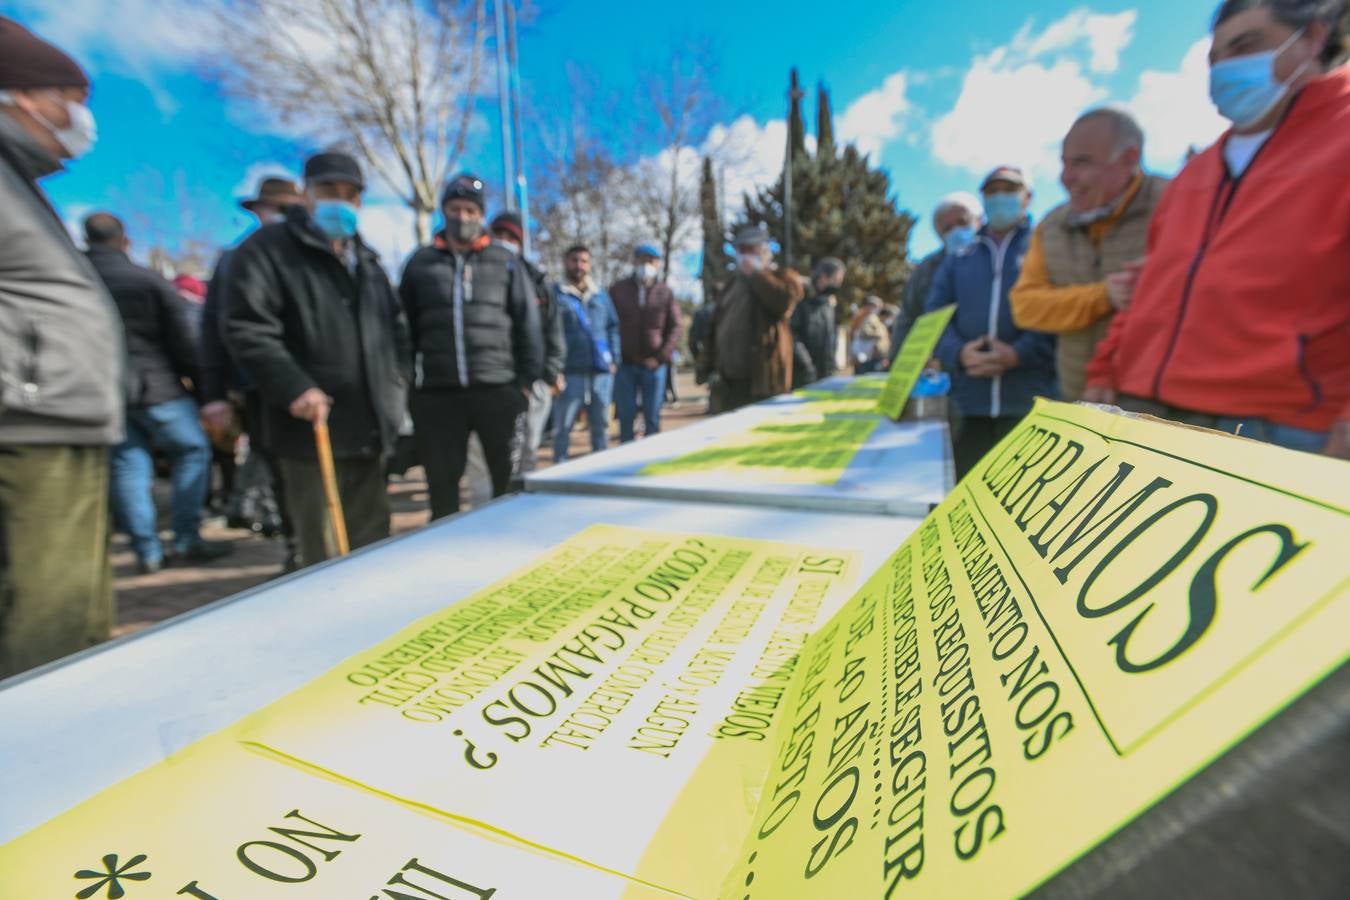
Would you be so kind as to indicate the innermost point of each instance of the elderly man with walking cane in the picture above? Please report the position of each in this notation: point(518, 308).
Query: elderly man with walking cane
point(311, 317)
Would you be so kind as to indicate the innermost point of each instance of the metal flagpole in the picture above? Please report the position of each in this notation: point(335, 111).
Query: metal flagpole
point(503, 104)
point(522, 185)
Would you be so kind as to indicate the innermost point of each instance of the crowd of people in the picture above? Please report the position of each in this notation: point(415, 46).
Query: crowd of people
point(1219, 299)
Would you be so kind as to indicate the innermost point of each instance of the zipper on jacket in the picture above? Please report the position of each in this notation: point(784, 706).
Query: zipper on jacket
point(457, 298)
point(1217, 213)
point(999, 252)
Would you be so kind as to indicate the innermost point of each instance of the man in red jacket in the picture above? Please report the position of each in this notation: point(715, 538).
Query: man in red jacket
point(1241, 314)
point(649, 331)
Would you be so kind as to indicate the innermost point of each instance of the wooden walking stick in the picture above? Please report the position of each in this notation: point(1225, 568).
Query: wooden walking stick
point(330, 488)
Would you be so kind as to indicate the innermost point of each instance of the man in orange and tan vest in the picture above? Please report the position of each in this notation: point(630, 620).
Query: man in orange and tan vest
point(1086, 254)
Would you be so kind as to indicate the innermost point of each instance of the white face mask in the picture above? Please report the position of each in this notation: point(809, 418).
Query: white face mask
point(749, 263)
point(646, 272)
point(79, 136)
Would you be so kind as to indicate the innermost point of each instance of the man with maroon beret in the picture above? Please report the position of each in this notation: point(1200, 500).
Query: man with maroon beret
point(61, 372)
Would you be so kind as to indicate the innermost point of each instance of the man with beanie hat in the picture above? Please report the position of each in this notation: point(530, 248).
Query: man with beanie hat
point(311, 318)
point(509, 231)
point(478, 344)
point(61, 377)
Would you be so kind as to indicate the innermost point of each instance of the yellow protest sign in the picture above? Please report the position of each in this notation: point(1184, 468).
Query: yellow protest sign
point(1101, 608)
point(218, 822)
point(803, 447)
point(600, 703)
point(909, 363)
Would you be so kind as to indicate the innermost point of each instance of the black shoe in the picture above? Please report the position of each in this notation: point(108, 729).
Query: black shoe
point(149, 566)
point(203, 551)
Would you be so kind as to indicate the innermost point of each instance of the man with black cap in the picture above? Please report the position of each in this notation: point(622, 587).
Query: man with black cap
point(509, 231)
point(478, 342)
point(747, 355)
point(311, 318)
point(61, 375)
point(259, 500)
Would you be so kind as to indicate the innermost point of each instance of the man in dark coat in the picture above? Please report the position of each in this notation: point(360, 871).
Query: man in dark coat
point(747, 356)
point(479, 345)
point(311, 318)
point(813, 325)
point(649, 332)
point(161, 414)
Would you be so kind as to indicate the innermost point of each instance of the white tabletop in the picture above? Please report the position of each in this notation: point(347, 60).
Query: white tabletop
point(77, 726)
point(901, 469)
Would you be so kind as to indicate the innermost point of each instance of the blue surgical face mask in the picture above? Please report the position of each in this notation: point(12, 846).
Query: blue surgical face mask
point(1244, 88)
point(958, 238)
point(336, 218)
point(1002, 211)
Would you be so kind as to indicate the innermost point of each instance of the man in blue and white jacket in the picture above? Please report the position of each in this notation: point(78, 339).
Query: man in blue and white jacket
point(591, 333)
point(997, 369)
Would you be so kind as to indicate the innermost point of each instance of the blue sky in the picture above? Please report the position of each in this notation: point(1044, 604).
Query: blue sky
point(937, 93)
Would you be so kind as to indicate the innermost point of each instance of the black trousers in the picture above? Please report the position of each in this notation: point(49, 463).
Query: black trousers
point(976, 436)
point(443, 421)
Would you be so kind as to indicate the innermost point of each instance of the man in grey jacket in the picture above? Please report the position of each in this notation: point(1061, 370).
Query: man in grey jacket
point(61, 373)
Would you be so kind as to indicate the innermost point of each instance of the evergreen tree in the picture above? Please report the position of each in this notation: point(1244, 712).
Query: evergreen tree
point(715, 259)
point(796, 124)
point(824, 122)
point(842, 207)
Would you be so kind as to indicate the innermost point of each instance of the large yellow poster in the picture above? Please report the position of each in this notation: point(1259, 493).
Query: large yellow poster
point(1104, 606)
point(217, 822)
point(615, 702)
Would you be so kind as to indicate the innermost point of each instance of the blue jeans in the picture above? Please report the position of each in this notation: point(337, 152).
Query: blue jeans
point(627, 383)
point(594, 393)
point(173, 428)
point(1263, 430)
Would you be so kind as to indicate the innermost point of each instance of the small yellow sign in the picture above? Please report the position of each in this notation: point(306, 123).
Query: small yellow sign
point(913, 356)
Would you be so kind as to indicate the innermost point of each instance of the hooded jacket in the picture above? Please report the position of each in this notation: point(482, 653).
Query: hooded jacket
point(978, 280)
point(473, 317)
point(298, 317)
point(61, 351)
point(603, 323)
point(750, 336)
point(1243, 308)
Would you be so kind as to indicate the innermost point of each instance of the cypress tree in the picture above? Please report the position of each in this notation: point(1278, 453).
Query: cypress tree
point(715, 259)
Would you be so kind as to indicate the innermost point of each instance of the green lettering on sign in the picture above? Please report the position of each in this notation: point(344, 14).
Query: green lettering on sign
point(909, 363)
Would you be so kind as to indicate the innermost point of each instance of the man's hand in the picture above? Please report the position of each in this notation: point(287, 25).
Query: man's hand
point(558, 386)
point(312, 406)
point(1120, 285)
point(652, 362)
point(1004, 355)
point(973, 355)
point(1099, 393)
point(1338, 445)
point(218, 414)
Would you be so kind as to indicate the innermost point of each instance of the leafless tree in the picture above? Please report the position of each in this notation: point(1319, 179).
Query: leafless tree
point(394, 80)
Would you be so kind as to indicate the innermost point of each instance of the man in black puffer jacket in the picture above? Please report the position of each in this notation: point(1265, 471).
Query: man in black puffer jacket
point(478, 342)
point(312, 320)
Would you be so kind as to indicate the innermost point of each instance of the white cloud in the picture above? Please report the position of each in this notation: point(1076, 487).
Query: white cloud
point(247, 186)
point(387, 226)
point(877, 117)
point(1175, 111)
point(141, 38)
point(1105, 37)
point(1013, 114)
point(749, 156)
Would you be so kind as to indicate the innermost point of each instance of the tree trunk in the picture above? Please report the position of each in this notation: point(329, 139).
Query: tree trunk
point(422, 224)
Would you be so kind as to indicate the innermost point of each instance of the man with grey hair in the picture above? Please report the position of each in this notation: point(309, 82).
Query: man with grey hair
point(814, 332)
point(956, 218)
point(1086, 255)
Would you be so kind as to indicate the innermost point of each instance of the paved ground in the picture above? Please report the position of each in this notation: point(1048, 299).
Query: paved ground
point(146, 599)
